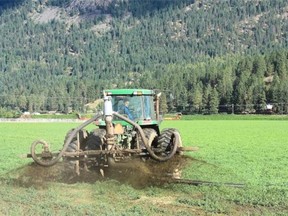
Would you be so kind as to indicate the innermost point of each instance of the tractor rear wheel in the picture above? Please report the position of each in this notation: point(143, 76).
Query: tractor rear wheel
point(95, 140)
point(166, 140)
point(73, 145)
point(150, 135)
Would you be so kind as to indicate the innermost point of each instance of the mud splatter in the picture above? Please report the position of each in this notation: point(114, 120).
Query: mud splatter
point(136, 173)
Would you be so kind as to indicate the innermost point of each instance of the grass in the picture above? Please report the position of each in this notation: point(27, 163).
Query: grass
point(256, 148)
point(235, 117)
point(247, 151)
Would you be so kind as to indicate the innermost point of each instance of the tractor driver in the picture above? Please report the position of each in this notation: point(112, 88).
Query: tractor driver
point(126, 109)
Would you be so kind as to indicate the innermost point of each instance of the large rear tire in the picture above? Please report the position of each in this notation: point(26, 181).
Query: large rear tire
point(95, 140)
point(166, 141)
point(151, 136)
point(73, 145)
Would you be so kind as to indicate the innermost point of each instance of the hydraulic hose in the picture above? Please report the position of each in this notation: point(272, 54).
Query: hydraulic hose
point(68, 141)
point(147, 146)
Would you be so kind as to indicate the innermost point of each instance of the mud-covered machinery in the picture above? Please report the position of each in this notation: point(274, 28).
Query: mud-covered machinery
point(127, 128)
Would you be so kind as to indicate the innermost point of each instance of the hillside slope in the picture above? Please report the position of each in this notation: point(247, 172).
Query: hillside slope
point(61, 53)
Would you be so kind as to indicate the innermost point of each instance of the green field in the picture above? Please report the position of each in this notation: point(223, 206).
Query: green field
point(253, 152)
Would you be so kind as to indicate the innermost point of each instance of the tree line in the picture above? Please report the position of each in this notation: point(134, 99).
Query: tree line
point(200, 55)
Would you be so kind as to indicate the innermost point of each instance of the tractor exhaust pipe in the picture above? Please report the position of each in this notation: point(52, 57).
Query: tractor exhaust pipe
point(158, 106)
point(108, 113)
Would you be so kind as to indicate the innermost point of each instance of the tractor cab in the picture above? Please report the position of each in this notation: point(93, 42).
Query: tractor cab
point(136, 104)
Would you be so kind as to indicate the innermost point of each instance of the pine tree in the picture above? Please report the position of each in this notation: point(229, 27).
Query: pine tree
point(259, 96)
point(22, 102)
point(280, 64)
point(163, 108)
point(196, 99)
point(206, 99)
point(213, 101)
point(259, 66)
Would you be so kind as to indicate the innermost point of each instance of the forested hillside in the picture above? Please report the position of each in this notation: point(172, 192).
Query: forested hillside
point(204, 55)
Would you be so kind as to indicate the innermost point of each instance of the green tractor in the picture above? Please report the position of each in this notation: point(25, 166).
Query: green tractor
point(127, 128)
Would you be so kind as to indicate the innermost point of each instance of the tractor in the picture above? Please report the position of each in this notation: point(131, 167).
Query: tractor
point(128, 127)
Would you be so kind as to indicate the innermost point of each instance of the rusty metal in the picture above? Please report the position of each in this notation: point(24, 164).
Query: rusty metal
point(201, 183)
point(110, 139)
point(103, 152)
point(193, 149)
point(92, 152)
point(61, 153)
point(77, 166)
point(48, 155)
